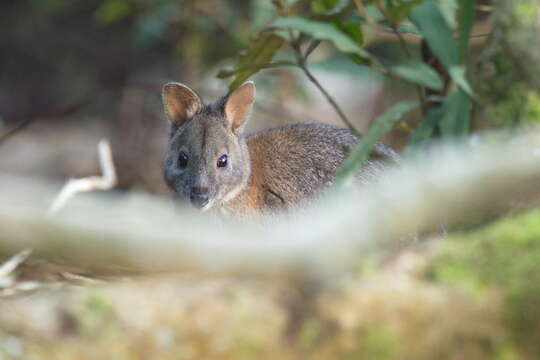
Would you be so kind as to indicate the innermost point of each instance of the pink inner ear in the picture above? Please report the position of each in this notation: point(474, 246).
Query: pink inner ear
point(180, 102)
point(239, 104)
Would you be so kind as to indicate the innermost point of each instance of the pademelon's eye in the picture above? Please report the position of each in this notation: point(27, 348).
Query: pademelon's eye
point(182, 160)
point(222, 161)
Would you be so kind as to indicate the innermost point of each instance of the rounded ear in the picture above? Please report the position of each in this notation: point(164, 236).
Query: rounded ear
point(238, 105)
point(180, 102)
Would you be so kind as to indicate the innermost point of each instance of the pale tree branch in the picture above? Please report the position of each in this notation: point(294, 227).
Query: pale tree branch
point(106, 181)
point(148, 235)
point(10, 265)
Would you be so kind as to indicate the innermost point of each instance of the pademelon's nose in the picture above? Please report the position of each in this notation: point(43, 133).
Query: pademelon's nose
point(199, 196)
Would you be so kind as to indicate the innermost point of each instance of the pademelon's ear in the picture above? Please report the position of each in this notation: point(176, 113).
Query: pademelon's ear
point(180, 102)
point(238, 105)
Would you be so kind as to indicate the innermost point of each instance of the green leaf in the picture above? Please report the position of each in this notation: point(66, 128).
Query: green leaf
point(261, 13)
point(112, 11)
point(466, 22)
point(424, 130)
point(278, 4)
point(448, 11)
point(353, 29)
point(428, 19)
point(456, 114)
point(374, 13)
point(329, 7)
point(418, 72)
point(457, 73)
point(258, 56)
point(323, 31)
point(253, 67)
point(398, 13)
point(283, 4)
point(380, 126)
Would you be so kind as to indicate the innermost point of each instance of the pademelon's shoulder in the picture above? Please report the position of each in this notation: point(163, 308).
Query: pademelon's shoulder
point(303, 128)
point(303, 133)
point(315, 134)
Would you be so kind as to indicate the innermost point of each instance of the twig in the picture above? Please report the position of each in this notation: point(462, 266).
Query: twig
point(15, 287)
point(10, 265)
point(301, 62)
point(79, 278)
point(106, 182)
point(311, 47)
point(419, 90)
point(329, 98)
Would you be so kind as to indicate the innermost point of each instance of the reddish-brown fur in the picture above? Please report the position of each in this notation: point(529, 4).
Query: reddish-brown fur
point(274, 169)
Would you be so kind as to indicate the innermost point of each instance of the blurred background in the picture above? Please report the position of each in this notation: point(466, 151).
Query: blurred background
point(73, 72)
point(118, 277)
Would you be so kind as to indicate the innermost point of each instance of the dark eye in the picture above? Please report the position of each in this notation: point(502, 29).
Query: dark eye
point(182, 160)
point(222, 161)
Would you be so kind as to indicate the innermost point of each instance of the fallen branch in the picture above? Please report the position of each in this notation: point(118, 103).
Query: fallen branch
point(9, 266)
point(148, 235)
point(74, 186)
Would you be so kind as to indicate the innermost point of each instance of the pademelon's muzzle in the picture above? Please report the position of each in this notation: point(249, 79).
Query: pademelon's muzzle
point(199, 196)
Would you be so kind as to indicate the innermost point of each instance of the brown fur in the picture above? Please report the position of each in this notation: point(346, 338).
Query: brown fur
point(270, 170)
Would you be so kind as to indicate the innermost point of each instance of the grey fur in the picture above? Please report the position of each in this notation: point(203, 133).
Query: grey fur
point(205, 138)
point(288, 164)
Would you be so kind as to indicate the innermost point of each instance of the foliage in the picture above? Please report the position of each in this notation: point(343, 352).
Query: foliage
point(262, 50)
point(379, 127)
point(419, 73)
point(446, 105)
point(508, 74)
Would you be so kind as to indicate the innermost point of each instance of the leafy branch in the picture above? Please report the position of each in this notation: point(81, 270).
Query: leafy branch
point(446, 31)
point(301, 60)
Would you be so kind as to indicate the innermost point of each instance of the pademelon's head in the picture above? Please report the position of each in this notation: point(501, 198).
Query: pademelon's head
point(207, 162)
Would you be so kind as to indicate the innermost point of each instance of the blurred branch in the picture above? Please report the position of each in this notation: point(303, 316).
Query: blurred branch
point(7, 267)
point(147, 235)
point(74, 186)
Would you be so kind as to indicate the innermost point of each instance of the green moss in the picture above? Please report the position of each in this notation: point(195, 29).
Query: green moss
point(374, 342)
point(448, 272)
point(380, 343)
point(532, 110)
point(520, 106)
point(513, 102)
point(252, 331)
point(310, 334)
point(246, 348)
point(507, 72)
point(507, 352)
point(526, 12)
point(95, 315)
point(504, 256)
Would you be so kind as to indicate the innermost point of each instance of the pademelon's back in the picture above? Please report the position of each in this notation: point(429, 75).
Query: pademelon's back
point(299, 160)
